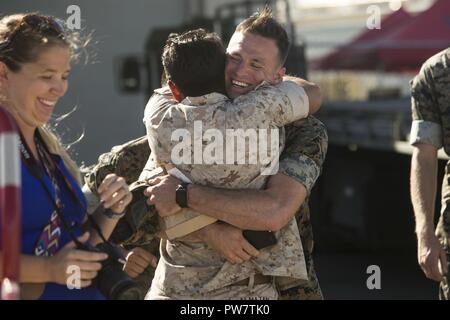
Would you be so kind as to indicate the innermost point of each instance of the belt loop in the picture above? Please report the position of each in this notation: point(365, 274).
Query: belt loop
point(251, 282)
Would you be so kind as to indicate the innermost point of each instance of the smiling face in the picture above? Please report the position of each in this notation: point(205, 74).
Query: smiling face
point(33, 91)
point(251, 59)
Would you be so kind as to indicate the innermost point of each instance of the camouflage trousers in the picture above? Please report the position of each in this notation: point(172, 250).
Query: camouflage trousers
point(307, 290)
point(444, 290)
point(266, 291)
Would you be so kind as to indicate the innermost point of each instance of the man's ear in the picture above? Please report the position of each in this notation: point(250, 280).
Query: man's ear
point(4, 73)
point(175, 91)
point(280, 74)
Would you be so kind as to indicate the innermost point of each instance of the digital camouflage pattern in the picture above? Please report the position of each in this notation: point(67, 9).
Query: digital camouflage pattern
point(192, 270)
point(266, 291)
point(305, 137)
point(430, 92)
point(443, 230)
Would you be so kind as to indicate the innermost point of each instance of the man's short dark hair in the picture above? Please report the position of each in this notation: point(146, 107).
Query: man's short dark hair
point(263, 23)
point(195, 62)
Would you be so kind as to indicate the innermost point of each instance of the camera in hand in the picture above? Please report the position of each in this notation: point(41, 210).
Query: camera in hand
point(111, 280)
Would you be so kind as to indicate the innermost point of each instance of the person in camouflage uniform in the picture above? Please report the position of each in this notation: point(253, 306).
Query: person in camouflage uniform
point(430, 131)
point(225, 204)
point(302, 160)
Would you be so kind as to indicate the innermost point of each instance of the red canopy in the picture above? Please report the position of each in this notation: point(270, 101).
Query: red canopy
point(402, 44)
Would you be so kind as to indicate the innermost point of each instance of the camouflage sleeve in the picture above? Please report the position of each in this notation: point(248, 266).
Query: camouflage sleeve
point(126, 160)
point(426, 126)
point(280, 105)
point(158, 103)
point(305, 151)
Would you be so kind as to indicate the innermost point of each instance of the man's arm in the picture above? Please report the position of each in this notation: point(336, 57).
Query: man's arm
point(311, 89)
point(423, 195)
point(268, 209)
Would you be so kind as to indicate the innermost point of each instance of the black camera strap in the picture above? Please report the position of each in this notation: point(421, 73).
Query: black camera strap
point(51, 168)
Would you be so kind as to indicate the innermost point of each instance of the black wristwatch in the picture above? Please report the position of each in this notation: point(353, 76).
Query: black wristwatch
point(181, 195)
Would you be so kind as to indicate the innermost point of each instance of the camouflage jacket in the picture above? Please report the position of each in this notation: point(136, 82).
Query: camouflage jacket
point(431, 120)
point(262, 110)
point(302, 159)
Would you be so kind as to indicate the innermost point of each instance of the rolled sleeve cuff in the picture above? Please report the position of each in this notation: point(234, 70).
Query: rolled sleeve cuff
point(303, 169)
point(298, 97)
point(426, 132)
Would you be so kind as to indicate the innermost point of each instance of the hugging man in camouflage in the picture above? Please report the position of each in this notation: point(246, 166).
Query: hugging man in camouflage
point(430, 131)
point(300, 165)
point(194, 63)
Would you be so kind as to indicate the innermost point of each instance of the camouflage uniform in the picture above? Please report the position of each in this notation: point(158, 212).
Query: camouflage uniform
point(192, 270)
point(306, 142)
point(430, 91)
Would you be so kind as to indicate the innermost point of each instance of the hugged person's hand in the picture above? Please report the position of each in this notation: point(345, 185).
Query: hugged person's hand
point(161, 194)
